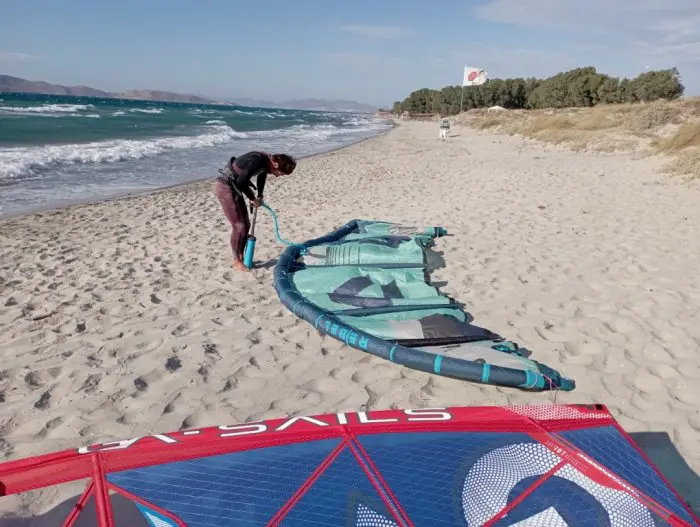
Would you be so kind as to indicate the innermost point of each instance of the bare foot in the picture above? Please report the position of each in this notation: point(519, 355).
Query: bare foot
point(238, 265)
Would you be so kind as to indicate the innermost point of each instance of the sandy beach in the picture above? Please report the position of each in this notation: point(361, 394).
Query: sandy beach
point(124, 318)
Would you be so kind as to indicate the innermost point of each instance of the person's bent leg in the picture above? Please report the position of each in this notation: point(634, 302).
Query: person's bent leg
point(238, 238)
point(230, 207)
point(245, 220)
point(241, 229)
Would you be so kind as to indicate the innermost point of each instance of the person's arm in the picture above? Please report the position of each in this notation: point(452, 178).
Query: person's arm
point(248, 191)
point(252, 168)
point(262, 178)
point(243, 184)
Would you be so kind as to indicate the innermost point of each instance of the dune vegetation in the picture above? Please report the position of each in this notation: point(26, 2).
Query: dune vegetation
point(580, 109)
point(670, 128)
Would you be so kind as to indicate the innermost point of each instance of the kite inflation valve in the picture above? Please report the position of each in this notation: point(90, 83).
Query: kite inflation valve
point(250, 244)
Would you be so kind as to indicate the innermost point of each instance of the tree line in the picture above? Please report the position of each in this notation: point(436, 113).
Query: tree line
point(575, 88)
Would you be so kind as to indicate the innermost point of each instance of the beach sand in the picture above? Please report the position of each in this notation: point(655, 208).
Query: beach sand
point(124, 318)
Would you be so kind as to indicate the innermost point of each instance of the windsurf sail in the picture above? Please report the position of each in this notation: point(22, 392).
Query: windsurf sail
point(519, 466)
point(367, 285)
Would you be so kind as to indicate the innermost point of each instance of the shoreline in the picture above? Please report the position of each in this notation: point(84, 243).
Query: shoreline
point(123, 318)
point(69, 205)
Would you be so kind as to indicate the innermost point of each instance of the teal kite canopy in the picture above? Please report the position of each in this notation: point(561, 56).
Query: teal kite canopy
point(367, 284)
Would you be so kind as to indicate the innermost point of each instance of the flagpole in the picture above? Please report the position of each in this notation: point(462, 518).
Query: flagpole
point(461, 100)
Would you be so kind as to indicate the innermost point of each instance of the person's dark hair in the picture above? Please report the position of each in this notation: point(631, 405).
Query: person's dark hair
point(286, 163)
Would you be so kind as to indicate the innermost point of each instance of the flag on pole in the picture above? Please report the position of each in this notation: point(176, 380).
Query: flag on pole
point(474, 76)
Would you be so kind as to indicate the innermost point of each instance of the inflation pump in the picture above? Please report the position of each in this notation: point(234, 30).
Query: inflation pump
point(249, 252)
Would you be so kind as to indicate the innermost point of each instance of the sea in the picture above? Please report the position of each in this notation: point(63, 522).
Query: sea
point(60, 150)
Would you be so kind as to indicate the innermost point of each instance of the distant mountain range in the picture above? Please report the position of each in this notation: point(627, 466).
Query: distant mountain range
point(321, 105)
point(19, 85)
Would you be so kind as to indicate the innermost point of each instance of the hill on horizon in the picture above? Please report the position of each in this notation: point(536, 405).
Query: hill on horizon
point(329, 105)
point(9, 83)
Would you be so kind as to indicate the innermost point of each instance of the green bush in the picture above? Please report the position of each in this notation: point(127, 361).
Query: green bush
point(580, 87)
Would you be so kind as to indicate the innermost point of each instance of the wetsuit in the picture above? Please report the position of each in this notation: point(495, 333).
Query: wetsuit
point(245, 168)
point(232, 185)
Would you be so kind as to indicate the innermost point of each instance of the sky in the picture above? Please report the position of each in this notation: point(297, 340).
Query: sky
point(374, 52)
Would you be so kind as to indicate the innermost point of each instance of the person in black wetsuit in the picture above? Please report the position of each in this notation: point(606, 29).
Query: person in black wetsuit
point(235, 182)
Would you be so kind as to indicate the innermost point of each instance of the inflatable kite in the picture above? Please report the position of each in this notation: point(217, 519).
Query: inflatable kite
point(367, 285)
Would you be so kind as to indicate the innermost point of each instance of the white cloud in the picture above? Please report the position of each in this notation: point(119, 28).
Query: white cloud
point(669, 30)
point(386, 32)
point(9, 56)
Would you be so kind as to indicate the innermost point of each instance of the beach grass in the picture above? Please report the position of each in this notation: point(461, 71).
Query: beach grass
point(667, 128)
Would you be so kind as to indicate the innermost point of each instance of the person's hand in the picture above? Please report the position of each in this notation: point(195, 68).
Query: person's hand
point(257, 202)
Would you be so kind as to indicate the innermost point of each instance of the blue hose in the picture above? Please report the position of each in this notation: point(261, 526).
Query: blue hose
point(277, 228)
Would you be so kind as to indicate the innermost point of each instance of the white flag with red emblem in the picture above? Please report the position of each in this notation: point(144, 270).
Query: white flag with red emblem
point(474, 76)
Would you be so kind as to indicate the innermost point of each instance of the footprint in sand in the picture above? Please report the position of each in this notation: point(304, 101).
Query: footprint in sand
point(170, 407)
point(657, 354)
point(36, 379)
point(173, 364)
point(681, 391)
point(211, 349)
point(191, 421)
point(664, 371)
point(50, 425)
point(229, 385)
point(180, 330)
point(10, 302)
point(322, 386)
point(587, 347)
point(623, 325)
point(142, 382)
point(43, 401)
point(243, 382)
point(694, 421)
point(648, 383)
point(91, 383)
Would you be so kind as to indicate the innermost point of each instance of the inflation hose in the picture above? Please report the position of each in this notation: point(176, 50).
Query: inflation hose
point(277, 227)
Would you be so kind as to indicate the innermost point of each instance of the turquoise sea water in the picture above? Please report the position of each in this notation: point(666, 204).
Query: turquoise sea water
point(56, 150)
